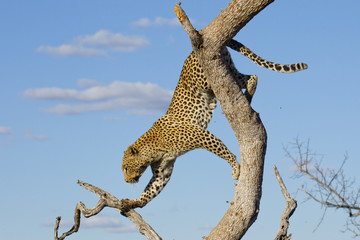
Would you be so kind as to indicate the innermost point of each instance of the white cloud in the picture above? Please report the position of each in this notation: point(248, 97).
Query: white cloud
point(158, 21)
point(122, 229)
point(99, 44)
point(134, 97)
point(39, 137)
point(116, 89)
point(9, 138)
point(101, 222)
point(113, 225)
point(86, 83)
point(5, 144)
point(67, 50)
point(50, 93)
point(5, 130)
point(144, 104)
point(114, 119)
point(114, 41)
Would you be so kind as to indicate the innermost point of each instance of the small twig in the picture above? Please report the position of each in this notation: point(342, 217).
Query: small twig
point(327, 186)
point(330, 204)
point(194, 35)
point(331, 187)
point(106, 200)
point(356, 214)
point(288, 211)
point(352, 226)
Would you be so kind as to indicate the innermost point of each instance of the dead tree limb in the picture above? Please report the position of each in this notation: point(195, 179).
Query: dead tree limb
point(288, 211)
point(106, 200)
point(209, 46)
point(331, 188)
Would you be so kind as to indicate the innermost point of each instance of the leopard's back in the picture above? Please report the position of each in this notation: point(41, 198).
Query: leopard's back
point(193, 100)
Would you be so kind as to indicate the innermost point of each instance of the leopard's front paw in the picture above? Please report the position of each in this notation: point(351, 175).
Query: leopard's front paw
point(131, 204)
point(236, 172)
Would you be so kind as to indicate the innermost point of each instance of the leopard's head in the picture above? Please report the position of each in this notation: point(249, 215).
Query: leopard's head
point(133, 165)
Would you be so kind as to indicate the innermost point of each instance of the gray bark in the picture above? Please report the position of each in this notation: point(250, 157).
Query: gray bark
point(209, 46)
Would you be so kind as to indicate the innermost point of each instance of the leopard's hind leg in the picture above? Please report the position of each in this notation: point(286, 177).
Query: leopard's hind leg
point(247, 82)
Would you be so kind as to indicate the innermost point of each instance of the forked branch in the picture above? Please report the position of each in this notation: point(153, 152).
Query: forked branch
point(106, 200)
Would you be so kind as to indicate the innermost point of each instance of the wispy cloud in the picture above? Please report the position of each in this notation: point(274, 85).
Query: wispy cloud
point(113, 41)
point(109, 224)
point(7, 140)
point(87, 83)
point(98, 44)
point(5, 143)
point(115, 89)
point(136, 98)
point(114, 119)
point(5, 130)
point(67, 50)
point(158, 21)
point(39, 137)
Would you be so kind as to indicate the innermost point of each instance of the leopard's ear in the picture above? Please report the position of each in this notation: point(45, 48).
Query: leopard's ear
point(132, 150)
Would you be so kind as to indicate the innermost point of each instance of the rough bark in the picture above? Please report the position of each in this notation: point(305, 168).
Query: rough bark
point(209, 46)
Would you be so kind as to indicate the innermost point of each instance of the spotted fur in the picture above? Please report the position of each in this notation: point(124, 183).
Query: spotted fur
point(183, 127)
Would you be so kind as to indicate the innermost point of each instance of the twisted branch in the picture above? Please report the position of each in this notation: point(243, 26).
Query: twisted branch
point(106, 200)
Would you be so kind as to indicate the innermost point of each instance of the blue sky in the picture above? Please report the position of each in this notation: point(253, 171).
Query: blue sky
point(82, 80)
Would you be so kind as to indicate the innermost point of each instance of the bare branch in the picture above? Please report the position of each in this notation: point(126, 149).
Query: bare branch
point(194, 35)
point(334, 205)
point(106, 200)
point(331, 188)
point(353, 226)
point(288, 211)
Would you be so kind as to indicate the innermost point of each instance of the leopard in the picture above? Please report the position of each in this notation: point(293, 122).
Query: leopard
point(183, 127)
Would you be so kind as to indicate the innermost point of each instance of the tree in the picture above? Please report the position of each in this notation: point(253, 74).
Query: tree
point(209, 46)
point(331, 188)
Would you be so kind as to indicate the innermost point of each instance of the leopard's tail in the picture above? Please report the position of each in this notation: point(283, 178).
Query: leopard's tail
point(288, 68)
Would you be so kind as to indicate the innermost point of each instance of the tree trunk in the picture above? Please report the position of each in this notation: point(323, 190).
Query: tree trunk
point(209, 46)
